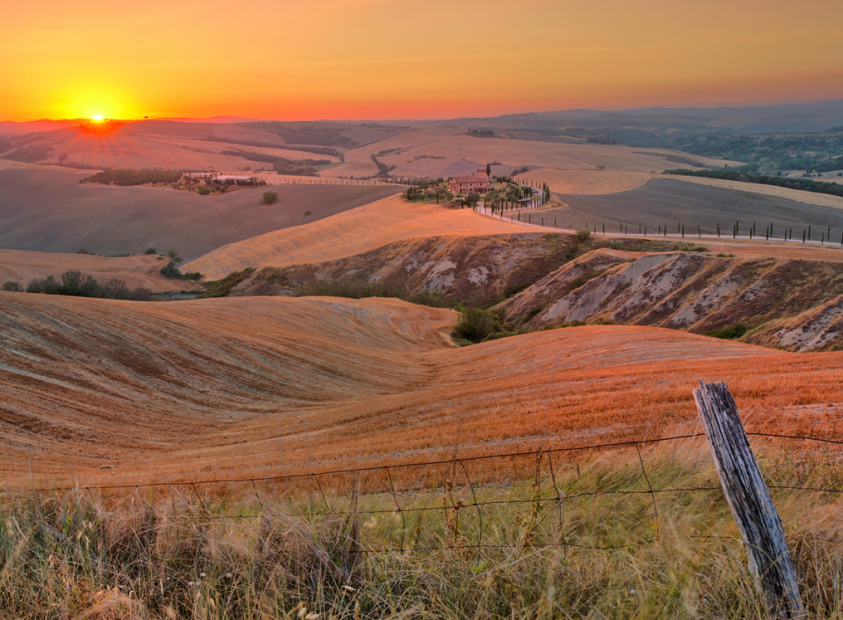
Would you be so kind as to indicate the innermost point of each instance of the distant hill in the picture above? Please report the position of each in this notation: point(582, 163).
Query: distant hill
point(11, 128)
point(213, 119)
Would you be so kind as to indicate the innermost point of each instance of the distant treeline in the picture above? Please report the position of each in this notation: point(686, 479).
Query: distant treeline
point(282, 165)
point(129, 176)
point(318, 150)
point(76, 284)
point(762, 179)
point(383, 169)
point(481, 133)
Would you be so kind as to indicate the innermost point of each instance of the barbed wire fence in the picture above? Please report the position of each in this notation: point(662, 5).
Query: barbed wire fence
point(435, 478)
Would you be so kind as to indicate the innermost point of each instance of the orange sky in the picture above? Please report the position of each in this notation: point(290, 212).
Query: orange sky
point(383, 59)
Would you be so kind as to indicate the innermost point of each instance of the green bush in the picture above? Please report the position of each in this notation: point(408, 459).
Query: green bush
point(151, 251)
point(270, 198)
point(76, 284)
point(476, 325)
point(203, 190)
point(221, 288)
point(730, 332)
point(583, 235)
point(13, 286)
point(171, 271)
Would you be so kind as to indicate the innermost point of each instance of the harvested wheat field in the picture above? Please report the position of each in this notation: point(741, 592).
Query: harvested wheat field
point(346, 234)
point(141, 271)
point(549, 154)
point(107, 391)
point(587, 181)
point(49, 211)
point(810, 198)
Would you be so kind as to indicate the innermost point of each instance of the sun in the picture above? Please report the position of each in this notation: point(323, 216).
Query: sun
point(97, 118)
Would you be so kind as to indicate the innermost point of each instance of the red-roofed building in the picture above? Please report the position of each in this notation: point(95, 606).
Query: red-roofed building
point(465, 183)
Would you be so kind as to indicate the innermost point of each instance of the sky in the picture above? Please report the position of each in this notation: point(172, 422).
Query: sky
point(386, 59)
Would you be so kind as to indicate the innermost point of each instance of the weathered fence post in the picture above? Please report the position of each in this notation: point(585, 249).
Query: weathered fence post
point(750, 500)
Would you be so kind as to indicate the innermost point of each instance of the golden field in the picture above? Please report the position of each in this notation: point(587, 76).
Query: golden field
point(106, 391)
point(345, 234)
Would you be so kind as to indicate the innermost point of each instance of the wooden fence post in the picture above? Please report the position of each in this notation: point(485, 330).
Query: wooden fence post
point(750, 501)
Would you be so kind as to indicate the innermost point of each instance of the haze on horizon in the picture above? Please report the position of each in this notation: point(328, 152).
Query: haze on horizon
point(382, 59)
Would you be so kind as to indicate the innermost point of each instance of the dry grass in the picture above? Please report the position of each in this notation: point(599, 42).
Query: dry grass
point(258, 552)
point(257, 386)
point(587, 181)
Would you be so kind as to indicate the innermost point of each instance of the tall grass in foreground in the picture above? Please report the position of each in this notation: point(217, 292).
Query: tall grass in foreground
point(275, 551)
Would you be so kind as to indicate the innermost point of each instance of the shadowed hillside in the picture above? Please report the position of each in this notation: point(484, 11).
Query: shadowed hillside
point(50, 211)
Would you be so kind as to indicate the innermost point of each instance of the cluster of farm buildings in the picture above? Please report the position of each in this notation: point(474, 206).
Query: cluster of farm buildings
point(478, 182)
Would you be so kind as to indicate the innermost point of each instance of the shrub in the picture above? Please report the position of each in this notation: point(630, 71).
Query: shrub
point(730, 332)
point(583, 235)
point(270, 198)
point(174, 256)
point(202, 190)
point(12, 285)
point(171, 271)
point(151, 251)
point(76, 284)
point(476, 325)
point(221, 288)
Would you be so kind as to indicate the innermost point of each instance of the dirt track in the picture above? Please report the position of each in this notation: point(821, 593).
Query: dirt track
point(120, 391)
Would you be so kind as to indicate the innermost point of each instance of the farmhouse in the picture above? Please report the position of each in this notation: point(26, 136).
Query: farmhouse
point(478, 182)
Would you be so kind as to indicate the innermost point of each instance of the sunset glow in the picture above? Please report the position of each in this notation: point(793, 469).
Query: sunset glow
point(97, 118)
point(385, 59)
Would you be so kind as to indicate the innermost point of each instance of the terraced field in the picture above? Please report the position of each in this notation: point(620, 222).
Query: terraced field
point(120, 391)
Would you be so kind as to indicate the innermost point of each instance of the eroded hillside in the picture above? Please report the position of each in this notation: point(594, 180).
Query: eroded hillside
point(547, 280)
point(785, 303)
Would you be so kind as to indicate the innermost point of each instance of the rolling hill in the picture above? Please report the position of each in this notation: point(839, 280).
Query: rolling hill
point(126, 391)
point(346, 234)
point(49, 211)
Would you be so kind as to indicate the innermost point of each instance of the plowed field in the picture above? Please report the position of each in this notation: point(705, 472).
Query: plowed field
point(121, 392)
